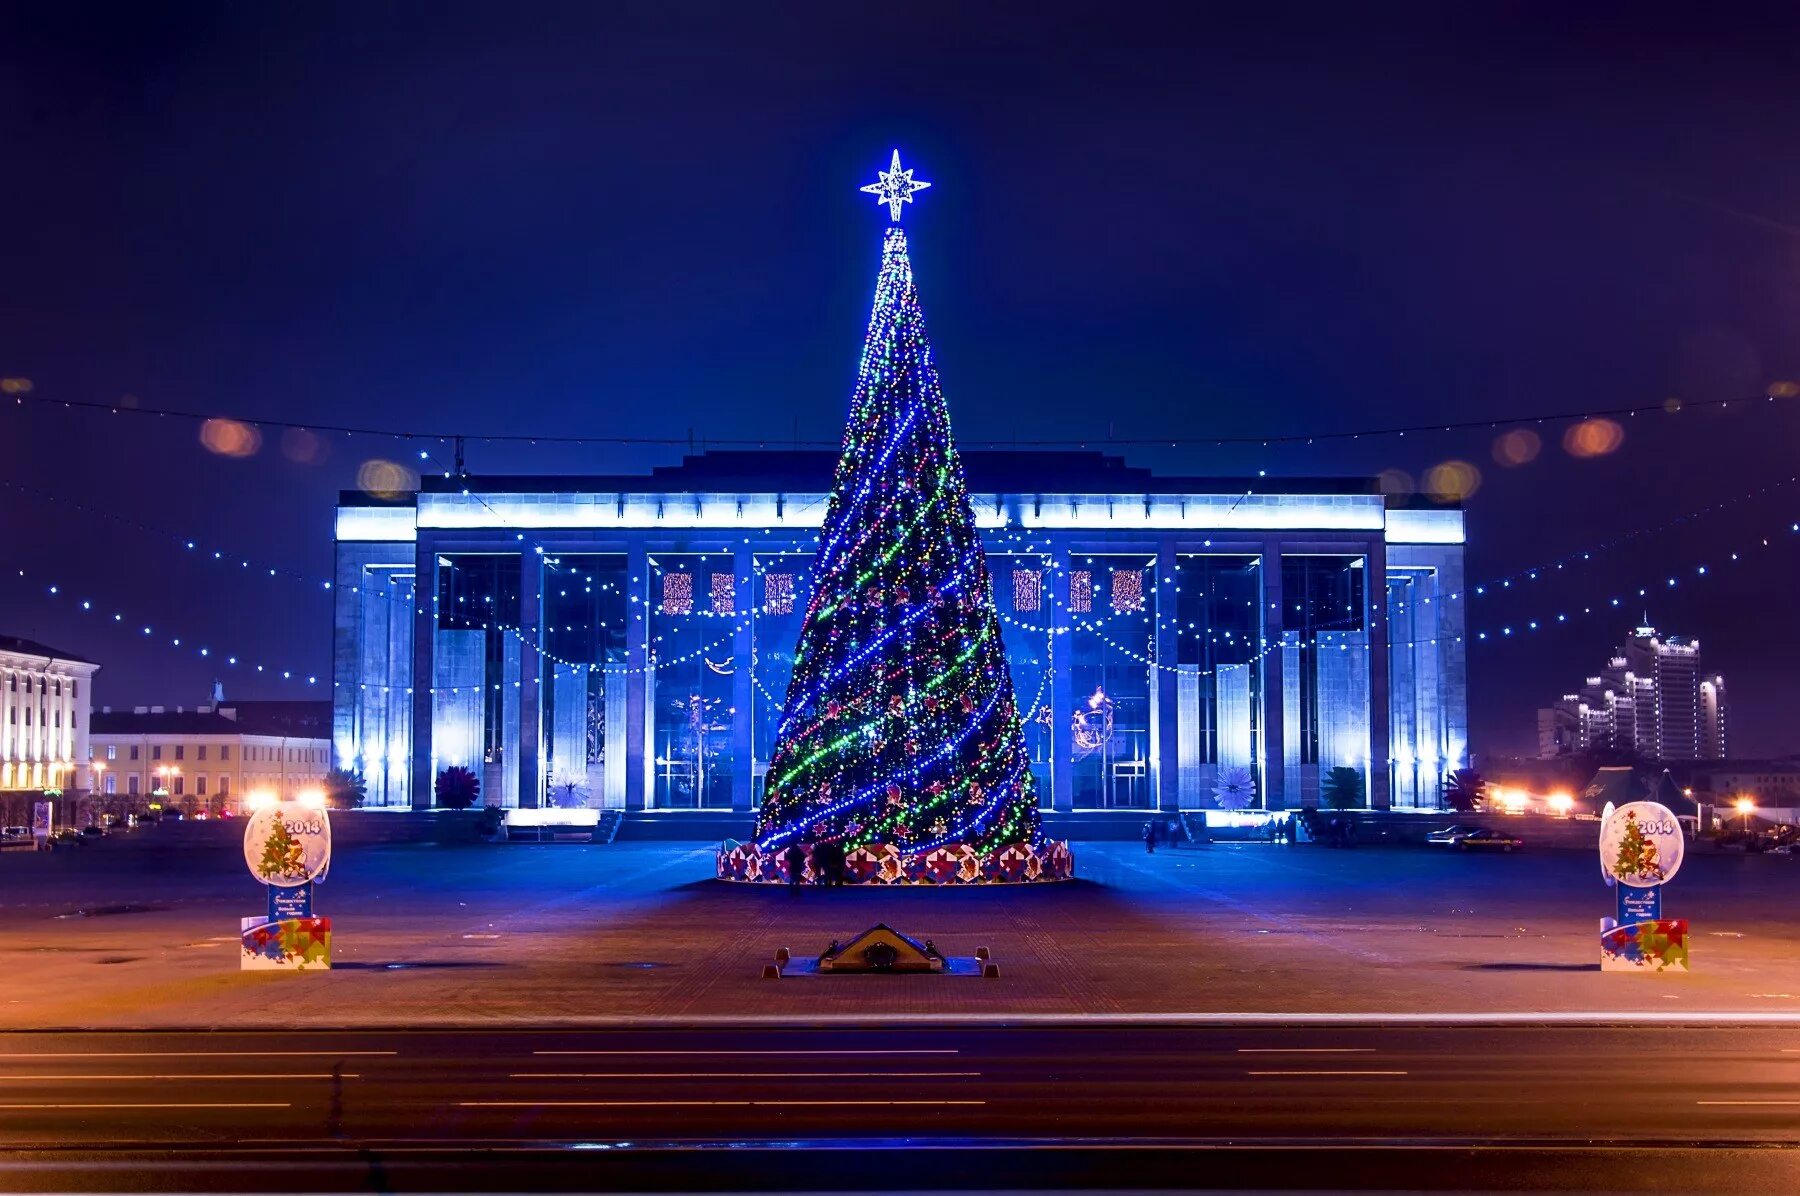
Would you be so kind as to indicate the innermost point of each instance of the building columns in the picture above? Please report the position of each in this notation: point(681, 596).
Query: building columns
point(424, 671)
point(1381, 739)
point(1274, 732)
point(1062, 686)
point(1165, 727)
point(531, 677)
point(637, 661)
point(743, 796)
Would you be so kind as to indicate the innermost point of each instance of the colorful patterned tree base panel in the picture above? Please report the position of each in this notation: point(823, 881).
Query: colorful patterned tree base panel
point(1659, 946)
point(291, 945)
point(956, 864)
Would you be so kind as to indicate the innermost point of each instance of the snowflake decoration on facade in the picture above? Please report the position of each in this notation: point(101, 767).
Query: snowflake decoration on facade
point(1081, 591)
point(1127, 591)
point(1028, 590)
point(678, 594)
point(1235, 788)
point(724, 594)
point(895, 188)
point(778, 593)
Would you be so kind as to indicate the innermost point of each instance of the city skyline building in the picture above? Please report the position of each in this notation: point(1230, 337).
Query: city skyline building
point(1653, 700)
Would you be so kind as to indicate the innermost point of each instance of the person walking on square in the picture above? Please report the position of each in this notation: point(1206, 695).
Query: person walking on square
point(1150, 837)
point(796, 865)
point(831, 862)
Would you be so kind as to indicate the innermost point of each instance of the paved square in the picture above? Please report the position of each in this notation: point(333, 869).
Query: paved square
point(142, 932)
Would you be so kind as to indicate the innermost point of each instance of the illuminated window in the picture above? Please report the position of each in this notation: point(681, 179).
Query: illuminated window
point(1113, 694)
point(690, 687)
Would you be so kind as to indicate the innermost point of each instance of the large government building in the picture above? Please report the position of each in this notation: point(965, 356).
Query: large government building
point(626, 642)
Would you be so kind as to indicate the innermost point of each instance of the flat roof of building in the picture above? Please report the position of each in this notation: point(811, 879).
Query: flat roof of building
point(293, 719)
point(1077, 491)
point(810, 471)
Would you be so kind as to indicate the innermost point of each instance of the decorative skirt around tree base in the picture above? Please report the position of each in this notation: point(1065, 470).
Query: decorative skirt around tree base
point(954, 864)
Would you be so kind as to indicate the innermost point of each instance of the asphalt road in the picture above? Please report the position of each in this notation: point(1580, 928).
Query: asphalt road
point(1319, 1105)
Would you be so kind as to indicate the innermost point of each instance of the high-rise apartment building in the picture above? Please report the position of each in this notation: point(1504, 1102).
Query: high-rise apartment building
point(1653, 699)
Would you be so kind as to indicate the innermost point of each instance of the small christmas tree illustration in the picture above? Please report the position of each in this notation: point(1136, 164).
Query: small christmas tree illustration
point(1637, 853)
point(282, 854)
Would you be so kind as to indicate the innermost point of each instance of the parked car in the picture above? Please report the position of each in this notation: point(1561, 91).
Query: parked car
point(67, 839)
point(1483, 839)
point(1472, 837)
point(15, 836)
point(93, 832)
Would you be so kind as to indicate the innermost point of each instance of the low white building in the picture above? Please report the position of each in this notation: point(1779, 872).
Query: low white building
point(205, 759)
point(44, 702)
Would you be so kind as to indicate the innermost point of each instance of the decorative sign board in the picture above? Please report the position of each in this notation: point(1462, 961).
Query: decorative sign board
point(1640, 905)
point(1641, 849)
point(290, 903)
point(287, 846)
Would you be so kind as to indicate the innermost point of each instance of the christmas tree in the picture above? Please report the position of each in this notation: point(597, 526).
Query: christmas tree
point(1637, 858)
point(282, 855)
point(900, 724)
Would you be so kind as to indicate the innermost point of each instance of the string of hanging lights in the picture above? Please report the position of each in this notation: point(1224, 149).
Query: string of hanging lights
point(1776, 392)
point(1009, 543)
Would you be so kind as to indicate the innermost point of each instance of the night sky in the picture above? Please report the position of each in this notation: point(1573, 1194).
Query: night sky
point(532, 218)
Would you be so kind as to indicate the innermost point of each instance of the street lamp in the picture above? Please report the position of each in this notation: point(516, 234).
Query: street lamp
point(1745, 806)
point(99, 767)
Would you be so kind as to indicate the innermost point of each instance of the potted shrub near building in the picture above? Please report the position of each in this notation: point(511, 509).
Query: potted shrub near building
point(1342, 788)
point(345, 790)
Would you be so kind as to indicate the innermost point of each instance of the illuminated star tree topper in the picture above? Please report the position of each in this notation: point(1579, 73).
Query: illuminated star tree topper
point(895, 188)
